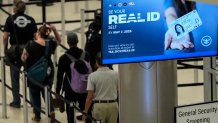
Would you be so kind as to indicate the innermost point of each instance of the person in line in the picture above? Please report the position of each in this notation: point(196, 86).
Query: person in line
point(31, 54)
point(93, 39)
point(103, 92)
point(64, 76)
point(175, 9)
point(18, 30)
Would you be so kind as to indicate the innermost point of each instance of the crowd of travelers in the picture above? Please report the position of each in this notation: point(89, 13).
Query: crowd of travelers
point(81, 76)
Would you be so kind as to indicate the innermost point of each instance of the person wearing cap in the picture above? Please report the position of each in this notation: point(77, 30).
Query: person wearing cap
point(64, 73)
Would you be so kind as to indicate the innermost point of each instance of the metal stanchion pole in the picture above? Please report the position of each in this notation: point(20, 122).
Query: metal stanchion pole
point(74, 110)
point(76, 6)
point(72, 104)
point(63, 29)
point(10, 9)
point(87, 8)
point(196, 72)
point(4, 101)
point(25, 107)
point(82, 15)
point(47, 104)
point(27, 8)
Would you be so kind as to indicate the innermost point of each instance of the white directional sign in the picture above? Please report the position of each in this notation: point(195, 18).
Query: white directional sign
point(198, 113)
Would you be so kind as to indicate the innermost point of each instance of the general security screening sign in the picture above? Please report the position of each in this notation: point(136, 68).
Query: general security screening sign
point(198, 113)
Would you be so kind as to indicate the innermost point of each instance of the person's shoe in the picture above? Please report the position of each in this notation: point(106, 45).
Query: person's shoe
point(52, 117)
point(12, 104)
point(79, 118)
point(36, 119)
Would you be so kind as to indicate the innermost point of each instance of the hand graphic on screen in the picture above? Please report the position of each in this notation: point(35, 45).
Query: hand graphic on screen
point(171, 42)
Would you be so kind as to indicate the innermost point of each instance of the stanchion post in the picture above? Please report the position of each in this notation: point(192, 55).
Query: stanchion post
point(27, 8)
point(63, 30)
point(87, 8)
point(4, 101)
point(46, 104)
point(76, 6)
point(63, 22)
point(196, 72)
point(10, 8)
point(72, 105)
point(74, 110)
point(82, 15)
point(25, 106)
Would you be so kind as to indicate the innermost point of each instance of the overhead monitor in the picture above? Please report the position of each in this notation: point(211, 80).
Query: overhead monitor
point(149, 30)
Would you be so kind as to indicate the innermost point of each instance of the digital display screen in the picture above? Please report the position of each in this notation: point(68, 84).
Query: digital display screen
point(149, 30)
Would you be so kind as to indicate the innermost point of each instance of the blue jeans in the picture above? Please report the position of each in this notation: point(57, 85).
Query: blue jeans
point(15, 77)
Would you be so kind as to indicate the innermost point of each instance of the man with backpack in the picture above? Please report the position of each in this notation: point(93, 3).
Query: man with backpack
point(74, 60)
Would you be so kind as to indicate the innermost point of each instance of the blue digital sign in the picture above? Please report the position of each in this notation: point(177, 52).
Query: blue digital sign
point(148, 30)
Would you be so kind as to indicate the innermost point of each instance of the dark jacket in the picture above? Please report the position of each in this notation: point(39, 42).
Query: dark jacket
point(64, 68)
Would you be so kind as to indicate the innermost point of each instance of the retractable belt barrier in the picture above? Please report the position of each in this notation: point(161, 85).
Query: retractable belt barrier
point(47, 93)
point(25, 101)
point(50, 22)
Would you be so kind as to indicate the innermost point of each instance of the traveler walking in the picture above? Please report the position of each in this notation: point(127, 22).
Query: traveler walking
point(103, 92)
point(64, 76)
point(18, 30)
point(32, 53)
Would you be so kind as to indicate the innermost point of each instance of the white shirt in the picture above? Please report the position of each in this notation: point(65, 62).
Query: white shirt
point(104, 83)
